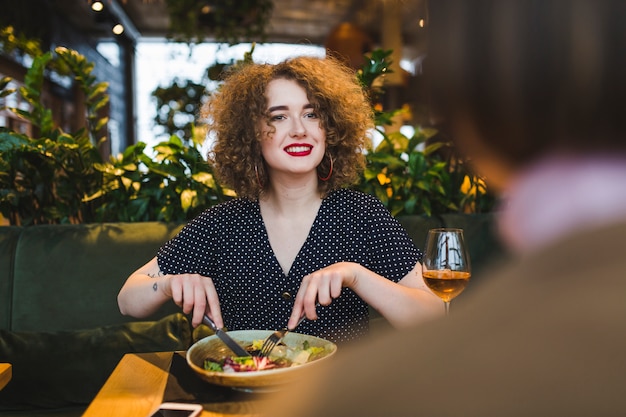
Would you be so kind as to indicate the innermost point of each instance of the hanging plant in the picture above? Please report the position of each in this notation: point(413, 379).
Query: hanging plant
point(223, 21)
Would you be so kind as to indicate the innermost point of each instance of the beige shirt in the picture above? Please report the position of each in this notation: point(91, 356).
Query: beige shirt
point(545, 337)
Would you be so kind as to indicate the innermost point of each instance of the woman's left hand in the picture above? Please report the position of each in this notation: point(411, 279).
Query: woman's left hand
point(321, 287)
point(402, 303)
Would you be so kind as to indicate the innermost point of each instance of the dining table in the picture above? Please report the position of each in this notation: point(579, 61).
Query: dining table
point(142, 381)
point(5, 374)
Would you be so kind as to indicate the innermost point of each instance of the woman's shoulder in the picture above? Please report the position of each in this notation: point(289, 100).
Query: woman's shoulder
point(348, 202)
point(235, 205)
point(350, 197)
point(232, 206)
point(225, 212)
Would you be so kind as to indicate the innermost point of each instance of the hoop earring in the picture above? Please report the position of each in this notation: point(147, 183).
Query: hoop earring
point(258, 178)
point(330, 172)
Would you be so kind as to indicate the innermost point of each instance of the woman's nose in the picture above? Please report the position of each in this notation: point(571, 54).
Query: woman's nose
point(297, 127)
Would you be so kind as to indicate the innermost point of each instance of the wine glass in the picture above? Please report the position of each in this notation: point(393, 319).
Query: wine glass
point(446, 263)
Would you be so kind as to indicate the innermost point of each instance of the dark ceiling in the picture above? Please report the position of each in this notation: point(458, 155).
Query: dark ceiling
point(292, 21)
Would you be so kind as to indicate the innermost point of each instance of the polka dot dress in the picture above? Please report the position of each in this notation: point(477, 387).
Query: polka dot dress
point(229, 244)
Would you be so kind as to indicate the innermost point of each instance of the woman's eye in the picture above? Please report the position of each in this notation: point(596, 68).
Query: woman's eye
point(311, 115)
point(277, 117)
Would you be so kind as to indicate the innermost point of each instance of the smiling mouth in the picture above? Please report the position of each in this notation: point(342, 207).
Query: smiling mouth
point(298, 150)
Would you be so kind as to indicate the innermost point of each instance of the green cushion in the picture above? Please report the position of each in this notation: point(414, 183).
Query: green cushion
point(63, 368)
point(65, 269)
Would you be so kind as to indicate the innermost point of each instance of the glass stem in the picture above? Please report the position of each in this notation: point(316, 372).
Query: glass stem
point(447, 304)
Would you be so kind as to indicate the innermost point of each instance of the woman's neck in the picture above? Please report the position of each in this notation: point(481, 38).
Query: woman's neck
point(291, 196)
point(291, 200)
point(288, 214)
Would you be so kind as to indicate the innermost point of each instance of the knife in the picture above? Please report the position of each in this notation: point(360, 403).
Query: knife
point(224, 337)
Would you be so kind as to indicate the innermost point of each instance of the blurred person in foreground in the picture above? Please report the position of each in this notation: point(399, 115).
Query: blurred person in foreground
point(536, 94)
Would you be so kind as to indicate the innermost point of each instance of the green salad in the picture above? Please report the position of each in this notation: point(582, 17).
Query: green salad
point(282, 356)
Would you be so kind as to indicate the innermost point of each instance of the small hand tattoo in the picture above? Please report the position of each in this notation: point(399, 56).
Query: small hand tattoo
point(158, 274)
point(155, 287)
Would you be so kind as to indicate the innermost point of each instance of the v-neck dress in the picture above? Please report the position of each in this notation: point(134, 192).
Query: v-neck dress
point(229, 243)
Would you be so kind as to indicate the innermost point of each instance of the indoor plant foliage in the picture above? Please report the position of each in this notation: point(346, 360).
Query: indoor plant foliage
point(178, 106)
point(54, 176)
point(44, 178)
point(411, 175)
point(174, 185)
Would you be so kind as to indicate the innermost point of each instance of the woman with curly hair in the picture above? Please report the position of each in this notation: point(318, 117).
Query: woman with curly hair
point(288, 139)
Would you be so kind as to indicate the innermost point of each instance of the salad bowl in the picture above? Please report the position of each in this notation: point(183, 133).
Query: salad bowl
point(261, 380)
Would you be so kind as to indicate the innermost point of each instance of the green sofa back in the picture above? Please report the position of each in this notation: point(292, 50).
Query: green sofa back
point(66, 277)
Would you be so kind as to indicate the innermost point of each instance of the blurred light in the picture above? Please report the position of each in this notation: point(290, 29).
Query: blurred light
point(97, 6)
point(118, 29)
point(111, 51)
point(376, 137)
point(422, 23)
point(407, 130)
point(408, 66)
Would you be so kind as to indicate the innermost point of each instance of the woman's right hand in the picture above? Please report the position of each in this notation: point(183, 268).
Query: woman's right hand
point(196, 295)
point(148, 288)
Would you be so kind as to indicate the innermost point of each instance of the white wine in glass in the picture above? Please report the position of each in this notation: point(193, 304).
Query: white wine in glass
point(446, 264)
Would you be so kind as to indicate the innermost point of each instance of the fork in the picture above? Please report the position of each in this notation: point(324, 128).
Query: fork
point(272, 340)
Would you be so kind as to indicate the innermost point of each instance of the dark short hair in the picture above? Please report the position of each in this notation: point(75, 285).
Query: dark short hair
point(533, 76)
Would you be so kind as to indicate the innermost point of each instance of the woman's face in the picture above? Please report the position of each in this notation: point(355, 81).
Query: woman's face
point(295, 142)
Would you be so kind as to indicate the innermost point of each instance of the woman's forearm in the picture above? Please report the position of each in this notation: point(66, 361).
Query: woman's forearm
point(402, 304)
point(144, 291)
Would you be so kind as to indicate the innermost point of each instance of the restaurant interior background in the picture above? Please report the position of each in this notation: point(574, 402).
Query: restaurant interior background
point(127, 59)
point(159, 59)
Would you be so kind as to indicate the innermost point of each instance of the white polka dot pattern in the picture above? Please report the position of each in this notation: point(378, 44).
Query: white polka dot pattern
point(229, 244)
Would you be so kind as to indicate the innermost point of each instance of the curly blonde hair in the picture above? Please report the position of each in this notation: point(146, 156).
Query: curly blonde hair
point(235, 111)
